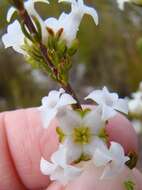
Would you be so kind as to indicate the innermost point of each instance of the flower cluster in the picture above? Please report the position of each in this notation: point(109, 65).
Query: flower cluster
point(82, 135)
point(69, 23)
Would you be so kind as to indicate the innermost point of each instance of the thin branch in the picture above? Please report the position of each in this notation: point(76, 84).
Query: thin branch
point(67, 87)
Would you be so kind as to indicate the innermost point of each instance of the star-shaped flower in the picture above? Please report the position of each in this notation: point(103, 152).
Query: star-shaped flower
point(58, 169)
point(108, 103)
point(55, 102)
point(113, 159)
point(80, 133)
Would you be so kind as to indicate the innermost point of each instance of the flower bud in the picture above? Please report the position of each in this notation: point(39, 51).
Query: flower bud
point(18, 4)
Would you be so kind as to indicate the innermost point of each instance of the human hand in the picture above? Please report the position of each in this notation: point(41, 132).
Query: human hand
point(22, 143)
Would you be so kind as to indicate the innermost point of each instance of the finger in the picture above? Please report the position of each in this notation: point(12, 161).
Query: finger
point(138, 178)
point(28, 141)
point(120, 130)
point(8, 175)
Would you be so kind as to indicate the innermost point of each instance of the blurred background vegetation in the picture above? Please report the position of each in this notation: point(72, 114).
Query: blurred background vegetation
point(110, 54)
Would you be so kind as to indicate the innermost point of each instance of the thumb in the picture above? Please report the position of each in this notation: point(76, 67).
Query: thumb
point(23, 142)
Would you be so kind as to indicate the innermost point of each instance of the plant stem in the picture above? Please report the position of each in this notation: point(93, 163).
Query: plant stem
point(70, 91)
point(67, 87)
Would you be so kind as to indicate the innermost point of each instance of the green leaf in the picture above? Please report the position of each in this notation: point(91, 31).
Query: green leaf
point(129, 185)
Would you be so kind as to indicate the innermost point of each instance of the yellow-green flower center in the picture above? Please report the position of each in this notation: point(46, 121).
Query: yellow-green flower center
point(81, 135)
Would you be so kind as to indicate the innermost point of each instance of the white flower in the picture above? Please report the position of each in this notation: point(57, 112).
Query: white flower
point(58, 169)
point(137, 124)
point(135, 106)
point(54, 102)
point(14, 37)
point(113, 159)
point(108, 103)
point(121, 3)
point(81, 134)
point(71, 22)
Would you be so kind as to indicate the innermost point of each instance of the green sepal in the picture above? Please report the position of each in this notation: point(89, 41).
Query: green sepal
point(61, 48)
point(74, 47)
point(129, 185)
point(25, 31)
point(34, 57)
point(61, 134)
point(103, 135)
point(38, 27)
point(83, 112)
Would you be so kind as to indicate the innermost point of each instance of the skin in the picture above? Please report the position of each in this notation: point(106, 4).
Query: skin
point(23, 141)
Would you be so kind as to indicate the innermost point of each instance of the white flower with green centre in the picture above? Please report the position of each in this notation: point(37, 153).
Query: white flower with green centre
point(54, 103)
point(14, 37)
point(71, 22)
point(108, 103)
point(58, 169)
point(80, 134)
point(113, 159)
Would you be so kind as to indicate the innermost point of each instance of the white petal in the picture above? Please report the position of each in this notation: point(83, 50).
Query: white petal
point(52, 99)
point(10, 13)
point(122, 106)
point(59, 157)
point(100, 158)
point(66, 99)
point(74, 151)
point(96, 96)
point(91, 11)
point(107, 112)
point(90, 148)
point(72, 172)
point(47, 115)
point(58, 175)
point(68, 120)
point(94, 121)
point(53, 24)
point(109, 98)
point(46, 167)
point(14, 37)
point(117, 152)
